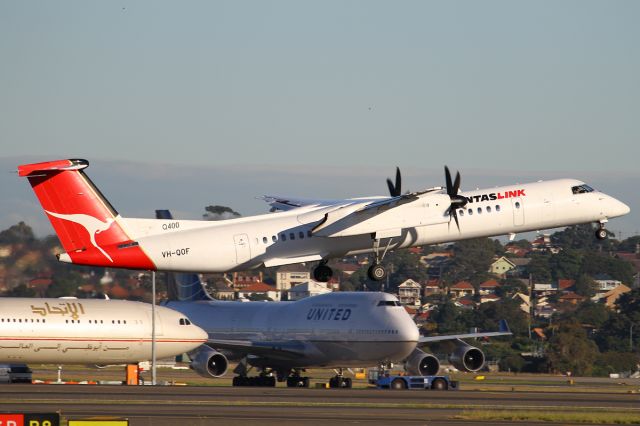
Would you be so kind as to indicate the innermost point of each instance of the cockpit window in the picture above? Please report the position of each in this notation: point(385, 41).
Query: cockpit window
point(184, 321)
point(581, 189)
point(388, 303)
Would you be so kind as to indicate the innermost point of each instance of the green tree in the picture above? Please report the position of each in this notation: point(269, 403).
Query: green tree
point(566, 264)
point(570, 350)
point(586, 286)
point(20, 233)
point(21, 291)
point(539, 268)
point(472, 260)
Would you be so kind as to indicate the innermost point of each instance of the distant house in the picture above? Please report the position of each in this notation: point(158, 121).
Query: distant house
point(545, 288)
point(409, 293)
point(521, 264)
point(525, 302)
point(260, 288)
point(461, 289)
point(291, 275)
point(220, 289)
point(566, 285)
point(489, 287)
point(310, 288)
point(605, 283)
point(501, 266)
point(243, 280)
point(516, 250)
point(5, 250)
point(489, 298)
point(543, 244)
point(571, 297)
point(610, 297)
point(432, 287)
point(464, 302)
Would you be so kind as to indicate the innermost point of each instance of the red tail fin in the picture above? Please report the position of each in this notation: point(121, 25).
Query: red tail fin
point(86, 224)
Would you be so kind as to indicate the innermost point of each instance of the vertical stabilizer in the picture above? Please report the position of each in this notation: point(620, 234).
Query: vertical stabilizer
point(85, 222)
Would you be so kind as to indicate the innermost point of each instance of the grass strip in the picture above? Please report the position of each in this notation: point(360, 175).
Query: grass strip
point(589, 417)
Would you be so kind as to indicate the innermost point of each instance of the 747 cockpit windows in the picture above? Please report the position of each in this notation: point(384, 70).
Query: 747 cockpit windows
point(581, 189)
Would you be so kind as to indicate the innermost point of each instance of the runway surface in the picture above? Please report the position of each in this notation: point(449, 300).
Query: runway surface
point(146, 405)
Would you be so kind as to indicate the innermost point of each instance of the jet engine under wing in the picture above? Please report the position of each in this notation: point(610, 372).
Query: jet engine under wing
point(503, 331)
point(280, 350)
point(380, 216)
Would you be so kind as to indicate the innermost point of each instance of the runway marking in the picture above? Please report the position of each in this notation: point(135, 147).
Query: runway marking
point(317, 404)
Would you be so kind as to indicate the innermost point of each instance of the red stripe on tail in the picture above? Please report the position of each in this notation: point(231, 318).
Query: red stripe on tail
point(84, 220)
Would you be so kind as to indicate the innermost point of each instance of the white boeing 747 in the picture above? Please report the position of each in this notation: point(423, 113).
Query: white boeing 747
point(90, 331)
point(93, 233)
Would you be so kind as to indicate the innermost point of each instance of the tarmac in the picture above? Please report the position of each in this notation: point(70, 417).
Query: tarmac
point(221, 405)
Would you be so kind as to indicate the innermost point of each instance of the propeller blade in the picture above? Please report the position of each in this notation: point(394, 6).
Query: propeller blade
point(456, 184)
point(447, 176)
point(395, 190)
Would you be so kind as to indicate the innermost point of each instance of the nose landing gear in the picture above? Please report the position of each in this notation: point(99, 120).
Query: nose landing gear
point(601, 232)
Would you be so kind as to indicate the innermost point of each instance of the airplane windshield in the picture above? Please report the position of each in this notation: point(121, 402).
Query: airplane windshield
point(388, 303)
point(581, 189)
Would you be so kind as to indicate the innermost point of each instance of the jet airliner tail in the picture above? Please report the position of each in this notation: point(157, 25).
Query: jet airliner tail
point(88, 226)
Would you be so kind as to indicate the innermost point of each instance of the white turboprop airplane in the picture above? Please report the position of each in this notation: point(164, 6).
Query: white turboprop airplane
point(90, 331)
point(93, 233)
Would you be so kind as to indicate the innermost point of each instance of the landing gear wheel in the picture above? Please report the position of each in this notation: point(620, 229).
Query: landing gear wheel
point(377, 272)
point(297, 382)
point(322, 273)
point(601, 234)
point(439, 384)
point(398, 384)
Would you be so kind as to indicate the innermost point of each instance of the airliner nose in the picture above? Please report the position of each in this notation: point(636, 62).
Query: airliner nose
point(407, 329)
point(619, 208)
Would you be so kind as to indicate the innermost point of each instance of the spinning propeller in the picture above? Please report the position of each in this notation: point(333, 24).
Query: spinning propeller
point(457, 201)
point(395, 190)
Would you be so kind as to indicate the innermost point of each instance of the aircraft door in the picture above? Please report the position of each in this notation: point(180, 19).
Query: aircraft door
point(518, 211)
point(243, 251)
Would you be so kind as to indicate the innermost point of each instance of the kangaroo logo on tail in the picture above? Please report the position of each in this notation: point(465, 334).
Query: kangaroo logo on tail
point(91, 224)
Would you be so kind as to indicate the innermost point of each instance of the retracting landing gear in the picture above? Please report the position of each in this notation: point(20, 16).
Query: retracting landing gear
point(602, 233)
point(339, 381)
point(322, 273)
point(377, 272)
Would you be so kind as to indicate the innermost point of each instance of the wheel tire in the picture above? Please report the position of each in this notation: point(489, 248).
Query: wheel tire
point(377, 272)
point(292, 382)
point(270, 382)
point(398, 384)
point(334, 382)
point(304, 382)
point(322, 273)
point(601, 234)
point(347, 383)
point(439, 384)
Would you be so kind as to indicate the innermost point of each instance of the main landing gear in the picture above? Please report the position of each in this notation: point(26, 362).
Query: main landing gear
point(601, 232)
point(377, 272)
point(339, 381)
point(297, 381)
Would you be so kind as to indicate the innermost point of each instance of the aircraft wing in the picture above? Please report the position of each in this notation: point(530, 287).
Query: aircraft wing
point(503, 331)
point(284, 203)
point(281, 350)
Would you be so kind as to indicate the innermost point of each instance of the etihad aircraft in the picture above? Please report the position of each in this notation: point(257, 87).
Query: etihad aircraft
point(90, 331)
point(93, 233)
point(333, 330)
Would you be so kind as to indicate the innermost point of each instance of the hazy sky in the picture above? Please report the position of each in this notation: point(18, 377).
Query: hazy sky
point(501, 89)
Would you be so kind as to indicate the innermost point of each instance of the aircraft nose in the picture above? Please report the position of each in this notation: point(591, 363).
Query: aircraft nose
point(407, 329)
point(199, 334)
point(619, 208)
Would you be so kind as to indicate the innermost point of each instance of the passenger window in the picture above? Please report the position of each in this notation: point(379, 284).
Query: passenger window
point(292, 236)
point(470, 211)
point(497, 207)
point(301, 235)
point(488, 209)
point(461, 212)
point(479, 210)
point(517, 204)
point(309, 234)
point(264, 240)
point(273, 238)
point(283, 237)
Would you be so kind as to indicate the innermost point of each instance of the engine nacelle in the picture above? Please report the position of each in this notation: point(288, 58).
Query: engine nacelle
point(209, 362)
point(467, 358)
point(420, 363)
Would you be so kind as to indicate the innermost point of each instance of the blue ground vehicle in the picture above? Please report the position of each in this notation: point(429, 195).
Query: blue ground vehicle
point(398, 382)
